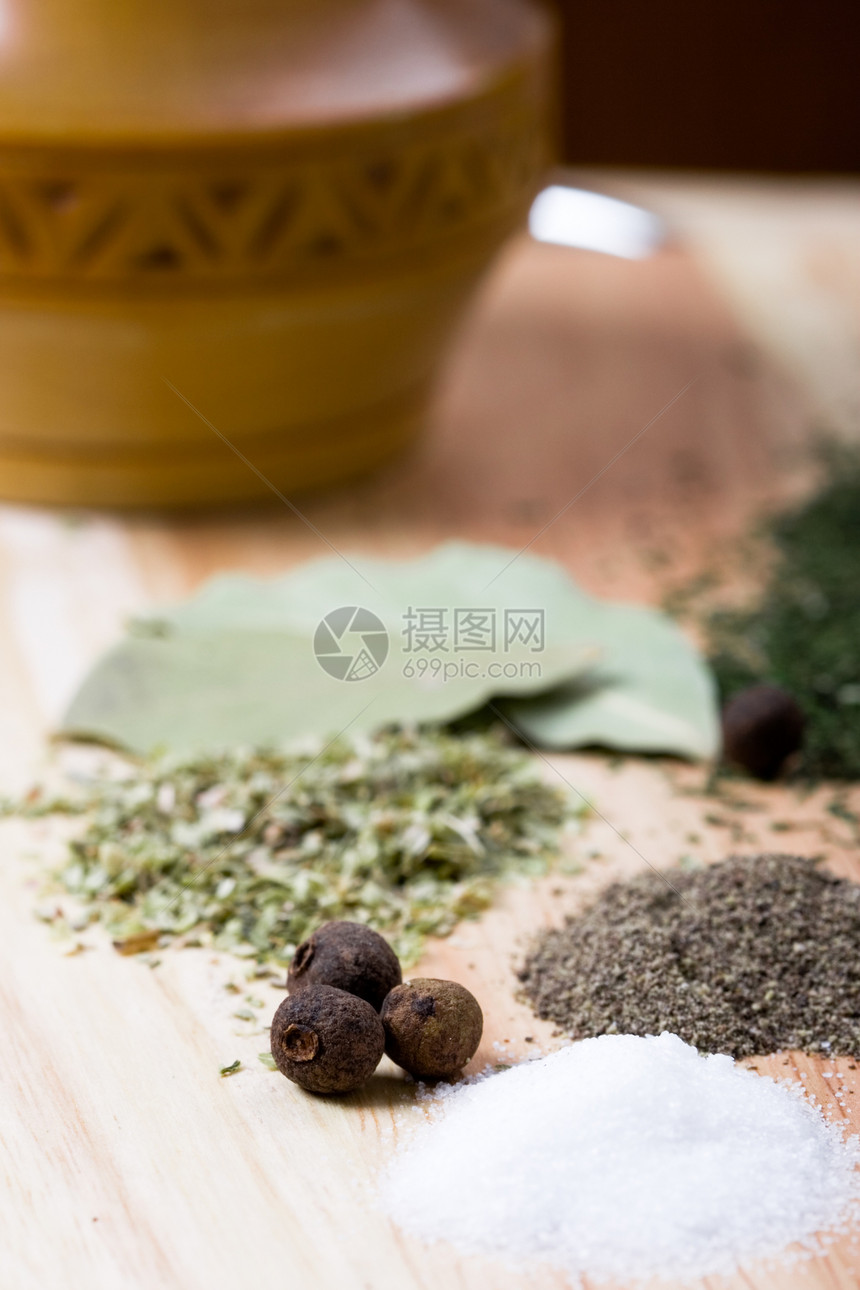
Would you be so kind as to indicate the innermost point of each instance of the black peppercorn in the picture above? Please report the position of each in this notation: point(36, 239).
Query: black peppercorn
point(432, 1028)
point(762, 726)
point(351, 957)
point(326, 1040)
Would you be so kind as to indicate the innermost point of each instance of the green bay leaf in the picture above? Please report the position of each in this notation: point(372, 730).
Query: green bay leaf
point(235, 663)
point(651, 693)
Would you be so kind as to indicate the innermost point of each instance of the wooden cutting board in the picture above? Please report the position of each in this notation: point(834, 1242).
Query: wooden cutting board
point(127, 1160)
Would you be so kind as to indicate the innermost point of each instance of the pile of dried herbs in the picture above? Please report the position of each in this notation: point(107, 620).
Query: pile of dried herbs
point(749, 956)
point(804, 634)
point(249, 851)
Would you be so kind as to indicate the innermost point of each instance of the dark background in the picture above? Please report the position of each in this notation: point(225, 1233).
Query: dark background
point(741, 85)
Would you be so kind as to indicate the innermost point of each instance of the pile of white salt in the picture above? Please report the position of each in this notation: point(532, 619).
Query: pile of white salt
point(625, 1158)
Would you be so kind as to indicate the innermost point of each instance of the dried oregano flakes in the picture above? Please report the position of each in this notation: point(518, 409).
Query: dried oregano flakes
point(250, 850)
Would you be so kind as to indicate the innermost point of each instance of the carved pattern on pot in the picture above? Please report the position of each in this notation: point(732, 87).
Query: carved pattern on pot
point(262, 213)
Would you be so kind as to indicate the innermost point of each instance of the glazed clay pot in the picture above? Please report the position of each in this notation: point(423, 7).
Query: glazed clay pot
point(248, 223)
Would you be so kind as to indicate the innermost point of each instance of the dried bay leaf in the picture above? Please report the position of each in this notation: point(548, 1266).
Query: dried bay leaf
point(650, 693)
point(235, 663)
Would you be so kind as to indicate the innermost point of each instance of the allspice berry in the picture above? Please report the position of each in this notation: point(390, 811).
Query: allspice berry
point(432, 1028)
point(351, 957)
point(762, 726)
point(326, 1040)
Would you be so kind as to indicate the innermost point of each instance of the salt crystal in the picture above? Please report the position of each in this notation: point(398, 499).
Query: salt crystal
point(624, 1158)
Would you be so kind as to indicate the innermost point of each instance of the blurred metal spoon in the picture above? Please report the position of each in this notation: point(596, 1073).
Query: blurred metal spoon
point(566, 216)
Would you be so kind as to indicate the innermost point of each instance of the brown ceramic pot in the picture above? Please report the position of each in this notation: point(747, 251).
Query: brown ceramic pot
point(273, 209)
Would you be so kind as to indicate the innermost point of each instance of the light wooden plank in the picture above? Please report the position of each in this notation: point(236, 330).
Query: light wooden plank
point(127, 1160)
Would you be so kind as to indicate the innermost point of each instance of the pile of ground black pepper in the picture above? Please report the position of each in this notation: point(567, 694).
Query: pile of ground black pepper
point(749, 956)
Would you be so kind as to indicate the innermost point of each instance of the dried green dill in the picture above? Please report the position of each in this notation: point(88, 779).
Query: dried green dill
point(804, 634)
point(250, 850)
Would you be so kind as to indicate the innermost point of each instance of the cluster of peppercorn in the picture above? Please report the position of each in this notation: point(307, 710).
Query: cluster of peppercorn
point(348, 1004)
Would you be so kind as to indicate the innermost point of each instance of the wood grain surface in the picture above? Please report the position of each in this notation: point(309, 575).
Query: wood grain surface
point(127, 1161)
